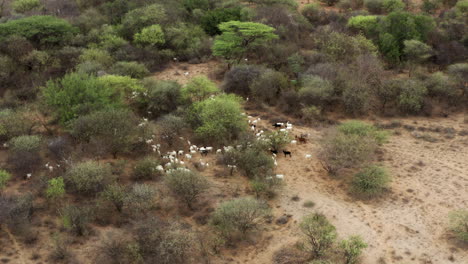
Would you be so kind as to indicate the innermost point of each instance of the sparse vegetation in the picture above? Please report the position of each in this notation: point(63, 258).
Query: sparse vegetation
point(112, 112)
point(459, 224)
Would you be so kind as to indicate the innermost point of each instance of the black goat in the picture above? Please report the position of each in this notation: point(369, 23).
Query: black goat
point(274, 151)
point(286, 153)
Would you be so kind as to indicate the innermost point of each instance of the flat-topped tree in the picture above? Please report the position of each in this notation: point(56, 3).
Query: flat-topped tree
point(238, 38)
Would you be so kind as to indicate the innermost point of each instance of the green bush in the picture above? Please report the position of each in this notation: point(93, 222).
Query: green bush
point(362, 129)
point(312, 12)
point(145, 169)
point(76, 219)
point(100, 56)
point(120, 84)
point(239, 38)
point(393, 5)
point(371, 181)
point(159, 97)
point(160, 242)
point(268, 86)
point(211, 19)
point(139, 18)
point(341, 150)
point(140, 198)
point(374, 6)
point(55, 188)
point(352, 249)
point(88, 177)
point(218, 119)
point(23, 6)
point(78, 94)
point(459, 72)
point(252, 161)
point(198, 89)
point(115, 194)
point(411, 98)
point(24, 155)
point(397, 27)
point(4, 178)
point(169, 127)
point(319, 234)
point(15, 123)
point(187, 185)
point(459, 224)
point(431, 6)
point(150, 36)
point(266, 187)
point(366, 24)
point(188, 41)
point(238, 216)
point(315, 90)
point(440, 84)
point(130, 68)
point(40, 30)
point(239, 79)
point(329, 2)
point(113, 130)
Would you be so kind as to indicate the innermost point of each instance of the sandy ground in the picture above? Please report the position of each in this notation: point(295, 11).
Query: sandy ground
point(408, 225)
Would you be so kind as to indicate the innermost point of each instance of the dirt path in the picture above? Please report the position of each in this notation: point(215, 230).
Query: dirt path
point(16, 247)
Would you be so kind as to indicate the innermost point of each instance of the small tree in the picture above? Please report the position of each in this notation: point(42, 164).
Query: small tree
point(199, 89)
point(187, 185)
point(319, 233)
point(150, 36)
point(24, 151)
point(78, 94)
point(352, 249)
point(114, 130)
point(169, 127)
point(159, 97)
point(116, 194)
point(4, 178)
point(238, 216)
point(411, 98)
point(371, 181)
point(23, 6)
point(238, 38)
point(146, 169)
point(268, 86)
point(341, 150)
point(88, 177)
point(240, 77)
point(218, 119)
point(459, 224)
point(130, 68)
point(315, 90)
point(277, 139)
point(55, 189)
point(416, 52)
point(76, 219)
point(140, 198)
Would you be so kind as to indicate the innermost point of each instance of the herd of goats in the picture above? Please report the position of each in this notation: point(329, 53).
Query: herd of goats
point(175, 159)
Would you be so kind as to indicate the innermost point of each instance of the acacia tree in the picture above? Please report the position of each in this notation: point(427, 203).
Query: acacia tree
point(238, 38)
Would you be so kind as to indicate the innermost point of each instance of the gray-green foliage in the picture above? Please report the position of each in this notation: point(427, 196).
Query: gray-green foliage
point(15, 123)
point(352, 249)
point(268, 86)
point(371, 181)
point(159, 98)
point(88, 177)
point(315, 90)
point(319, 234)
point(186, 184)
point(76, 219)
point(140, 198)
point(411, 98)
point(146, 169)
point(459, 224)
point(114, 130)
point(238, 216)
point(115, 194)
